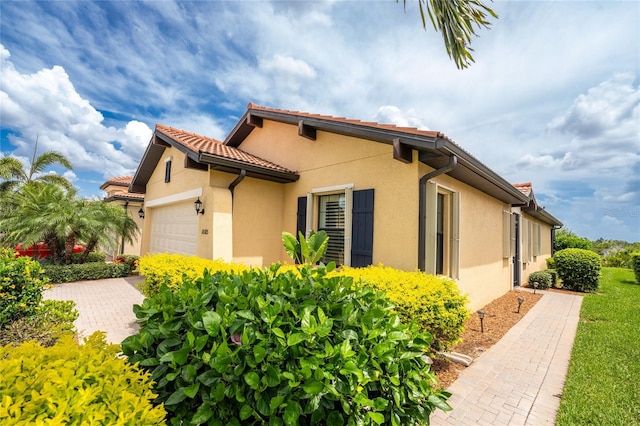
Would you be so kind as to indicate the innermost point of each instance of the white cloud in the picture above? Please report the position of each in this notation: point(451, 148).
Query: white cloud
point(393, 115)
point(45, 106)
point(287, 67)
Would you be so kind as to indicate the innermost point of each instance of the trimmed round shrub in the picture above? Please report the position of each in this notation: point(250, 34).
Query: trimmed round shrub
point(554, 276)
point(543, 278)
point(578, 269)
point(21, 285)
point(551, 264)
point(74, 384)
point(283, 348)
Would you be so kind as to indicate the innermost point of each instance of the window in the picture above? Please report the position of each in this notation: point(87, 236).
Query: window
point(347, 217)
point(331, 219)
point(443, 231)
point(167, 170)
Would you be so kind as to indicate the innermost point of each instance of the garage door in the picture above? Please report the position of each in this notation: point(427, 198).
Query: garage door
point(174, 229)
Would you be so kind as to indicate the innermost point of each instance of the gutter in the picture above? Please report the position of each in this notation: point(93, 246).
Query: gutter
point(422, 212)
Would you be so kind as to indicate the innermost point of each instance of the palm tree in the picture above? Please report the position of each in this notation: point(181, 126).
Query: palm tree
point(455, 19)
point(13, 173)
point(109, 222)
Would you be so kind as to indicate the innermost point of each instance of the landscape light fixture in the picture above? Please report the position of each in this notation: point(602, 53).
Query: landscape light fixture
point(520, 301)
point(141, 213)
point(535, 286)
point(198, 206)
point(481, 316)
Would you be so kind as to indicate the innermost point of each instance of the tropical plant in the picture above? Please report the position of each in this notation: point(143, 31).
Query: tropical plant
point(109, 222)
point(13, 173)
point(50, 213)
point(455, 19)
point(306, 250)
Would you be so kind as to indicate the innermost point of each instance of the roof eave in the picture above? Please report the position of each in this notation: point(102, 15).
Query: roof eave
point(234, 166)
point(361, 130)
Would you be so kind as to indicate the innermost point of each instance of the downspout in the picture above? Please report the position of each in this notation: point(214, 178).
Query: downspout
point(422, 208)
point(126, 205)
point(236, 182)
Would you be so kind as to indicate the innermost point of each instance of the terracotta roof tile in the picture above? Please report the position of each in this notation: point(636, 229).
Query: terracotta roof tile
point(381, 126)
point(525, 188)
point(204, 144)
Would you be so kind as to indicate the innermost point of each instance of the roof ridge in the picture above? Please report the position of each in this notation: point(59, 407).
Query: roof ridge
point(186, 132)
point(408, 129)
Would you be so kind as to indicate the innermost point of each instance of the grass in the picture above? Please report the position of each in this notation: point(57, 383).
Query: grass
point(603, 383)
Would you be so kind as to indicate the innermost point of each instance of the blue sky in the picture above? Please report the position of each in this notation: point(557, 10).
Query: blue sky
point(553, 97)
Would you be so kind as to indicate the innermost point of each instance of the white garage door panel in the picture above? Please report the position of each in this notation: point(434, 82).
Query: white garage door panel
point(174, 229)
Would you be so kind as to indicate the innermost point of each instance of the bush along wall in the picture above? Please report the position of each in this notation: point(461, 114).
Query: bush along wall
point(578, 269)
point(283, 348)
point(74, 384)
point(434, 302)
point(543, 278)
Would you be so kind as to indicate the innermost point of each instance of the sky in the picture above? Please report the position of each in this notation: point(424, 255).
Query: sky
point(553, 97)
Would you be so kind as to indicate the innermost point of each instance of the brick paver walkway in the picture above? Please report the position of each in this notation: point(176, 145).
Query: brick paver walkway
point(519, 380)
point(105, 305)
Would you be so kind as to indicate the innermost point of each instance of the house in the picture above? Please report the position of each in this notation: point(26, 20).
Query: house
point(117, 189)
point(403, 197)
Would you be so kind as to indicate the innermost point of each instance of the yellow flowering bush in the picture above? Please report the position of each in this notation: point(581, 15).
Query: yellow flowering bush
point(168, 269)
point(74, 384)
point(434, 302)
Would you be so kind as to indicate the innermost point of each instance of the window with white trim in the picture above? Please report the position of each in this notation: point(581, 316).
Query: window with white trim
point(443, 231)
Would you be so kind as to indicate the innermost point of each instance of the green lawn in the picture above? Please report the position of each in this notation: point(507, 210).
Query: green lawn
point(603, 384)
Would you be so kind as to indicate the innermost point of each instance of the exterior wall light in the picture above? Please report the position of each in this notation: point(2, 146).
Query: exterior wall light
point(481, 316)
point(520, 302)
point(198, 205)
point(141, 213)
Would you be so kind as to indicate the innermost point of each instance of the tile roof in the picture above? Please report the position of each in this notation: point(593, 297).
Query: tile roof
point(122, 180)
point(206, 145)
point(525, 188)
point(371, 124)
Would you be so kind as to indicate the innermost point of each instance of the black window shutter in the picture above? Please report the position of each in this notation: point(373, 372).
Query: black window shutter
point(362, 228)
point(302, 216)
point(167, 171)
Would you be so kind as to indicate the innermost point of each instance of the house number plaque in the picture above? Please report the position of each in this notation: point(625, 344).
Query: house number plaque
point(205, 232)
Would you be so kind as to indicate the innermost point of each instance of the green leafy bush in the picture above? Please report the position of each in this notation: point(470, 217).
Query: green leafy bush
point(92, 257)
point(168, 269)
point(85, 271)
point(543, 278)
point(272, 347)
point(21, 286)
point(554, 276)
point(434, 302)
point(635, 261)
point(72, 384)
point(52, 319)
point(551, 264)
point(569, 239)
point(619, 258)
point(578, 269)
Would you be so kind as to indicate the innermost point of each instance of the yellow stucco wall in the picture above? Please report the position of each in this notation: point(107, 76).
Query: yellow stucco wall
point(333, 160)
point(484, 274)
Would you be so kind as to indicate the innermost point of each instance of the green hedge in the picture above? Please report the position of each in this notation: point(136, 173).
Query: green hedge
point(578, 269)
point(283, 348)
point(543, 278)
point(85, 271)
point(635, 264)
